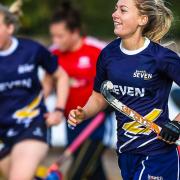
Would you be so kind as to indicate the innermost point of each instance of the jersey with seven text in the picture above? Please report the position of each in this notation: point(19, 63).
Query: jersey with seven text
point(142, 81)
point(21, 99)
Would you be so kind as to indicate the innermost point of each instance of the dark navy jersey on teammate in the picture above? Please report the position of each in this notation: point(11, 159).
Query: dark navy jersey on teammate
point(21, 100)
point(141, 81)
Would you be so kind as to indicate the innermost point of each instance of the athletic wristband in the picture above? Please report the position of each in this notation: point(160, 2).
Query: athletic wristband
point(59, 109)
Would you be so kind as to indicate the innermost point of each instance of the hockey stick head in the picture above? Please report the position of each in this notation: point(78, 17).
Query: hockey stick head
point(52, 173)
point(106, 88)
point(107, 85)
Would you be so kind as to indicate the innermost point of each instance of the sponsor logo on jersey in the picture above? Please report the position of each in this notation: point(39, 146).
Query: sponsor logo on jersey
point(154, 177)
point(25, 68)
point(27, 83)
point(126, 90)
point(27, 113)
point(11, 133)
point(77, 83)
point(38, 132)
point(84, 62)
point(142, 75)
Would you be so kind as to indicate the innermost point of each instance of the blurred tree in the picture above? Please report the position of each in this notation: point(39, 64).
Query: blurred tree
point(95, 13)
point(97, 16)
point(175, 6)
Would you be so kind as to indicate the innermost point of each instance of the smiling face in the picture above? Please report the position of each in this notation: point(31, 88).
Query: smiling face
point(127, 19)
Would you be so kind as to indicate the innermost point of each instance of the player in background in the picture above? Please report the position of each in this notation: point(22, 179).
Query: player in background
point(24, 120)
point(78, 55)
point(142, 72)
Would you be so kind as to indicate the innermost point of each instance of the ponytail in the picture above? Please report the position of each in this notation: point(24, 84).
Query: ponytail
point(159, 18)
point(15, 8)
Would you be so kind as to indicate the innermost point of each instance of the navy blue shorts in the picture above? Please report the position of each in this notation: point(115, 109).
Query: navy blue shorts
point(157, 167)
point(10, 136)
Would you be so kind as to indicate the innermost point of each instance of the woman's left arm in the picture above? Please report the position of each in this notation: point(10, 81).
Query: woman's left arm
point(62, 87)
point(62, 92)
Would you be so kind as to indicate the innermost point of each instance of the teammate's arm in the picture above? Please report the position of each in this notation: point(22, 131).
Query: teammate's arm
point(62, 87)
point(95, 104)
point(48, 85)
point(62, 91)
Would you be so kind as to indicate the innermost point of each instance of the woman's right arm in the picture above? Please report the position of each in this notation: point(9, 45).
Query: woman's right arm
point(95, 104)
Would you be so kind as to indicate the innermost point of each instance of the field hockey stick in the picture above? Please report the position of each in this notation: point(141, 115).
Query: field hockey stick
point(94, 124)
point(106, 89)
point(82, 136)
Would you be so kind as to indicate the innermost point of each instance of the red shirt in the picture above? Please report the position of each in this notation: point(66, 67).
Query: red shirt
point(81, 68)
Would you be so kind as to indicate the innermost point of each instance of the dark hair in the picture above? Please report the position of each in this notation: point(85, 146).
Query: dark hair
point(68, 14)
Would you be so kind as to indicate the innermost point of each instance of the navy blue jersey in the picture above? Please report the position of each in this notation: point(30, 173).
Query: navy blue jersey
point(21, 100)
point(141, 81)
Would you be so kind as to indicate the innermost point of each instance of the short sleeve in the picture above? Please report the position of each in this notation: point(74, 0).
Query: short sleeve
point(101, 74)
point(48, 61)
point(169, 64)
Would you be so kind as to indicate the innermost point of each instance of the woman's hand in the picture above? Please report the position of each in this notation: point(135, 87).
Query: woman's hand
point(76, 116)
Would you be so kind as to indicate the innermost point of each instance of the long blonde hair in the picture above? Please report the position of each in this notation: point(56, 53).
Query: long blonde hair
point(159, 18)
point(12, 14)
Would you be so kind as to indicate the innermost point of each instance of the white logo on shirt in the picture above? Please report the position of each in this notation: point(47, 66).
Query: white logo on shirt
point(84, 62)
point(126, 90)
point(27, 83)
point(142, 74)
point(38, 132)
point(11, 133)
point(154, 177)
point(77, 83)
point(25, 68)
